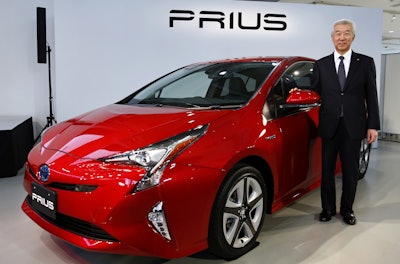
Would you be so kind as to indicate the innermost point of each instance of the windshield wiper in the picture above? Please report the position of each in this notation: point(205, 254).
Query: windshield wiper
point(225, 106)
point(193, 105)
point(174, 104)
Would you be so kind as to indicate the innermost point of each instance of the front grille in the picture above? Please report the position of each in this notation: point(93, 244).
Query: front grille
point(67, 186)
point(75, 225)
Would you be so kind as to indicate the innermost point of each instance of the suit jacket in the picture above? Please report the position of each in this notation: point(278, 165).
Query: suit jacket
point(359, 97)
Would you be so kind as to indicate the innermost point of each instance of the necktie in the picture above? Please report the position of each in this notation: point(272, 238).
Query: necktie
point(341, 73)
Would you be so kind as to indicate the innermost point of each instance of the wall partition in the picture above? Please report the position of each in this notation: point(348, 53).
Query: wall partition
point(106, 49)
point(390, 102)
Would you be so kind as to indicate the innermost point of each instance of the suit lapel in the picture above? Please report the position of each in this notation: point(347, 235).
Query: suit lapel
point(354, 63)
point(332, 68)
point(331, 65)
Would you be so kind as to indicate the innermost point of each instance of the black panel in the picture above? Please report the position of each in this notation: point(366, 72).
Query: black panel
point(41, 34)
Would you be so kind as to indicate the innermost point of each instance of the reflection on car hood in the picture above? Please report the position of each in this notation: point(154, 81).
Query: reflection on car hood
point(118, 128)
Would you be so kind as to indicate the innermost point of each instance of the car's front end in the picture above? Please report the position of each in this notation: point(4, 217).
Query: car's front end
point(106, 214)
point(103, 195)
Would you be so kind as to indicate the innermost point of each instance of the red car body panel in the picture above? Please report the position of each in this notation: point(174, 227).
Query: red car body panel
point(286, 148)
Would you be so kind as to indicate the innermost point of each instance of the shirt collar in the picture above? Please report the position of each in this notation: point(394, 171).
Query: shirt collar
point(347, 55)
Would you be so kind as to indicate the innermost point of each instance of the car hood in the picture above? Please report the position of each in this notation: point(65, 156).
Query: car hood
point(119, 128)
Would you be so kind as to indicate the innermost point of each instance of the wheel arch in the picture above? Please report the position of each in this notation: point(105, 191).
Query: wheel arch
point(265, 170)
point(216, 240)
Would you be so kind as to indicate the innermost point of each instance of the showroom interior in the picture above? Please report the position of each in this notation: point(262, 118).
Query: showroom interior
point(98, 52)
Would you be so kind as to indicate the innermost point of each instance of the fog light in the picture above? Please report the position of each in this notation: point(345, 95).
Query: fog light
point(157, 219)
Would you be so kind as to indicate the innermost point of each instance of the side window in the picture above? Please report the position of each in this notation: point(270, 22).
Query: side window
point(297, 75)
point(302, 74)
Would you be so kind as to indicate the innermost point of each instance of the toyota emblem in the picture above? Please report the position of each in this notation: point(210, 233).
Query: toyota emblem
point(44, 173)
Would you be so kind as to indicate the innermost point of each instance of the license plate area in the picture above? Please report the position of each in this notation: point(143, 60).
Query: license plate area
point(44, 200)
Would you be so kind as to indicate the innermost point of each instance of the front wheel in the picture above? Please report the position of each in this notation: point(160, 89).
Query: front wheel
point(238, 213)
point(365, 151)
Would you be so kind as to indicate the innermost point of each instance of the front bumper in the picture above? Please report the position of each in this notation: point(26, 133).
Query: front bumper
point(112, 219)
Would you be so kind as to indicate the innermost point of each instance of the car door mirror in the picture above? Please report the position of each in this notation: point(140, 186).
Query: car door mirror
point(301, 98)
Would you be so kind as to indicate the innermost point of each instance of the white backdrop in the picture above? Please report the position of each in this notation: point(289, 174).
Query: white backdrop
point(23, 81)
point(105, 49)
point(391, 121)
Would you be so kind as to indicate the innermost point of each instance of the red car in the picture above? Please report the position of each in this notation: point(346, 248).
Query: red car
point(191, 161)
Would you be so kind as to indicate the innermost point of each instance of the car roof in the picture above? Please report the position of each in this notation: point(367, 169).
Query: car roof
point(276, 59)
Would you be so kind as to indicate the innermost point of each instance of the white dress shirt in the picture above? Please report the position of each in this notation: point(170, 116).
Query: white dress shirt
point(346, 60)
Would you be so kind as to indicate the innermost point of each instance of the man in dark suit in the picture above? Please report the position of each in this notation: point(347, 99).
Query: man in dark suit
point(349, 112)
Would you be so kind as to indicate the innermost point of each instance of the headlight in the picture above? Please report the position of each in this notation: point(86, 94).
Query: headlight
point(154, 158)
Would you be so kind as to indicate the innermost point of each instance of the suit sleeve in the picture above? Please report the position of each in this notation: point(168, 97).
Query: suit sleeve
point(372, 98)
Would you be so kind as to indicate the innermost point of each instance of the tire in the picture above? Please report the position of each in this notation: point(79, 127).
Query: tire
point(238, 213)
point(365, 151)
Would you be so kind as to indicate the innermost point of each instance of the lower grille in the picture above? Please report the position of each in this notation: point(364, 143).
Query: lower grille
point(75, 225)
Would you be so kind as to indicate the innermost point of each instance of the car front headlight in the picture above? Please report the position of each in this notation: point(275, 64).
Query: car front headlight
point(154, 158)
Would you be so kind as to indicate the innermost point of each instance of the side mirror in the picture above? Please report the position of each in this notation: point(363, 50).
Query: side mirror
point(303, 97)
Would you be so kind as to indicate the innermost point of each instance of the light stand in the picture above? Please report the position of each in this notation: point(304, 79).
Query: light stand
point(50, 119)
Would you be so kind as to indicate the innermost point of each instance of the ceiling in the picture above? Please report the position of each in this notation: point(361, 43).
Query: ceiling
point(390, 23)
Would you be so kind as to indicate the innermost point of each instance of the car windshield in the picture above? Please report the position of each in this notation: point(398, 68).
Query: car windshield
point(217, 85)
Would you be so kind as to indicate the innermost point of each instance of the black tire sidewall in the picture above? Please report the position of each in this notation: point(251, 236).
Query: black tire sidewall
point(216, 239)
point(361, 175)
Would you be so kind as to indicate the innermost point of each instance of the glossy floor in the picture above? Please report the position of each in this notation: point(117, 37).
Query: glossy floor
point(292, 235)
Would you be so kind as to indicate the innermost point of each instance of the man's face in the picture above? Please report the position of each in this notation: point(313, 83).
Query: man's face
point(342, 38)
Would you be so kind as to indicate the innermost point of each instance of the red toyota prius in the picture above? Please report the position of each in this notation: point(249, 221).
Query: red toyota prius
point(192, 161)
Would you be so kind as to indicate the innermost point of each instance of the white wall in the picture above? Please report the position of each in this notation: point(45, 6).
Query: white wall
point(106, 49)
point(23, 82)
point(391, 120)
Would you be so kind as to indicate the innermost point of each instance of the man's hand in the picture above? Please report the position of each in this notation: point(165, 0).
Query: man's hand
point(372, 135)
